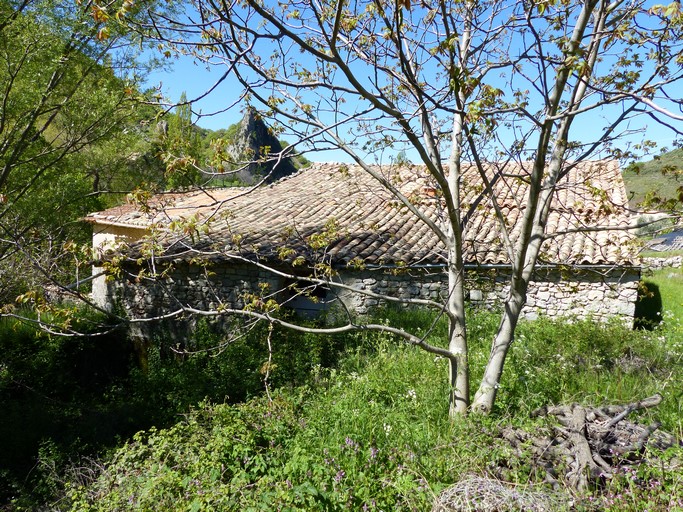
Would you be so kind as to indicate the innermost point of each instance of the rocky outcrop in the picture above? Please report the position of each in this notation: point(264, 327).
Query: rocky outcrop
point(257, 152)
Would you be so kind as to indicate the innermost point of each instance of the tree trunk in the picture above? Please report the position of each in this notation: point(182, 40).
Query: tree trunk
point(458, 373)
point(458, 368)
point(488, 388)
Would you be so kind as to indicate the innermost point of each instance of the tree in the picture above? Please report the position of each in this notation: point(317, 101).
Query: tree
point(180, 147)
point(68, 95)
point(454, 84)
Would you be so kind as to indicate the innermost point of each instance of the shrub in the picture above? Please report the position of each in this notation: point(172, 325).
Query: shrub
point(373, 439)
point(51, 399)
point(360, 421)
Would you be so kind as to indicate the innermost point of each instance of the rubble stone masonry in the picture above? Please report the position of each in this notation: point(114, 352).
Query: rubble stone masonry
point(579, 293)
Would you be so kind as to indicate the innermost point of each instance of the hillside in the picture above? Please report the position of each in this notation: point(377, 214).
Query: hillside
point(663, 176)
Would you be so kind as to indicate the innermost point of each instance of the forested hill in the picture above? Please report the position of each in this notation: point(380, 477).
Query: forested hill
point(659, 179)
point(78, 132)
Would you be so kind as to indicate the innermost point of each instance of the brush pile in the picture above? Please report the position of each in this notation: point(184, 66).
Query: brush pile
point(579, 449)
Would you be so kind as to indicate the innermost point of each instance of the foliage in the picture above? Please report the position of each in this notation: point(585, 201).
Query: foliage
point(369, 427)
point(180, 147)
point(217, 365)
point(69, 107)
point(286, 453)
point(457, 87)
point(372, 434)
point(69, 398)
point(54, 398)
point(353, 419)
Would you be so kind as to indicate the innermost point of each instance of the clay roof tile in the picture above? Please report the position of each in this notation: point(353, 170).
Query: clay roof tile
point(360, 219)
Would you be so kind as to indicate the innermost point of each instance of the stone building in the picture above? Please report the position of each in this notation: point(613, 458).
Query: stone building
point(219, 249)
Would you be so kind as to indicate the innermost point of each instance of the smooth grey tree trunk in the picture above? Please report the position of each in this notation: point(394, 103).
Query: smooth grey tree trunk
point(458, 368)
point(488, 388)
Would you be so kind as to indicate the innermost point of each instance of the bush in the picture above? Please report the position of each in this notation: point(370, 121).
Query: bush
point(356, 421)
point(378, 439)
point(51, 399)
point(373, 433)
point(228, 367)
point(65, 398)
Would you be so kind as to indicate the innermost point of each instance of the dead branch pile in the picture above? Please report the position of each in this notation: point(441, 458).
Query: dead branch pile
point(590, 444)
point(586, 446)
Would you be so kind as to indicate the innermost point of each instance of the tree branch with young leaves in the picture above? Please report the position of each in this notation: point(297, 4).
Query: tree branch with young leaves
point(540, 86)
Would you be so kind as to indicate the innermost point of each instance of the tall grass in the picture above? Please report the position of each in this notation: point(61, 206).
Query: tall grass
point(355, 421)
point(63, 399)
point(670, 283)
point(372, 433)
point(53, 398)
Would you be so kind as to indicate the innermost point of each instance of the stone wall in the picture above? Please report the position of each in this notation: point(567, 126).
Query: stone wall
point(574, 293)
point(580, 293)
point(189, 286)
point(403, 285)
point(664, 262)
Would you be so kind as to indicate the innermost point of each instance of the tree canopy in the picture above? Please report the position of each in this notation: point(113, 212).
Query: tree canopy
point(69, 131)
point(453, 84)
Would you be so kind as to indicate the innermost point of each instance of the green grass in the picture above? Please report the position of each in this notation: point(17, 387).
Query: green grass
point(355, 421)
point(659, 254)
point(670, 283)
point(66, 398)
point(660, 175)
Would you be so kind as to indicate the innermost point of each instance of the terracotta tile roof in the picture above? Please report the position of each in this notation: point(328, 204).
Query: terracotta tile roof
point(164, 208)
point(344, 209)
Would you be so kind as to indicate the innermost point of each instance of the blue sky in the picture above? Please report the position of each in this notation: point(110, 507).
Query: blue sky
point(187, 75)
point(194, 79)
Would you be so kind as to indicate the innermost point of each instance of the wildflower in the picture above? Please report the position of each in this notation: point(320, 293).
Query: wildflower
point(350, 443)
